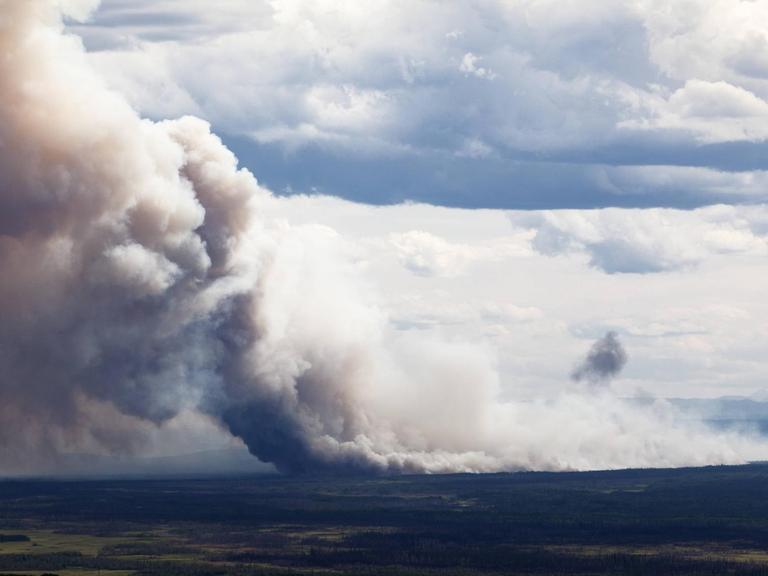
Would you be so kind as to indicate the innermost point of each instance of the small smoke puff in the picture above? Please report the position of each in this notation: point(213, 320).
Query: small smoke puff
point(605, 360)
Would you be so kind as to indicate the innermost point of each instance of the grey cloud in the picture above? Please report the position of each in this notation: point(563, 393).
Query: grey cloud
point(516, 183)
point(571, 92)
point(604, 361)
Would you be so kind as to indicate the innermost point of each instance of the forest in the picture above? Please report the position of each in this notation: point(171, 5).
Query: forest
point(707, 521)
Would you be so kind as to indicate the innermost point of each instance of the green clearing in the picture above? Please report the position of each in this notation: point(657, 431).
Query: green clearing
point(52, 542)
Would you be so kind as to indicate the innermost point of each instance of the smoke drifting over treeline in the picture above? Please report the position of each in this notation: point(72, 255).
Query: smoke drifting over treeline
point(141, 276)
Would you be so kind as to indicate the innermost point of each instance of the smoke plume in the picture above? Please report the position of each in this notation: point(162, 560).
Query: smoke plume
point(605, 360)
point(142, 276)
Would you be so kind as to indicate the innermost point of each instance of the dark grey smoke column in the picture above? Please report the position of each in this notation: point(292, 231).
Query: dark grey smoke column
point(605, 361)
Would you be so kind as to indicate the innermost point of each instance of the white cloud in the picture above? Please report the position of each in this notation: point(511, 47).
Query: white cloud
point(713, 111)
point(439, 309)
point(720, 99)
point(78, 9)
point(643, 241)
point(475, 148)
point(262, 60)
point(470, 66)
point(699, 38)
point(425, 254)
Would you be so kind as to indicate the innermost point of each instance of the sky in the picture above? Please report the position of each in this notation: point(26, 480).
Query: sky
point(382, 235)
point(516, 104)
point(528, 173)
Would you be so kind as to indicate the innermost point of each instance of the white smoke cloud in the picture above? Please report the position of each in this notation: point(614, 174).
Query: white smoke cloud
point(143, 278)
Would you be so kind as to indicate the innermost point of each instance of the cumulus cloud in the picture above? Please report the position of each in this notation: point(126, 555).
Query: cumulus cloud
point(628, 83)
point(426, 254)
point(470, 65)
point(647, 241)
point(712, 111)
point(78, 9)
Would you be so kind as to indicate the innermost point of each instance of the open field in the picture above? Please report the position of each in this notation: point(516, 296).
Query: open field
point(684, 522)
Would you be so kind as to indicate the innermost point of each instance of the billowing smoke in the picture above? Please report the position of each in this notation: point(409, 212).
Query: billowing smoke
point(605, 360)
point(142, 275)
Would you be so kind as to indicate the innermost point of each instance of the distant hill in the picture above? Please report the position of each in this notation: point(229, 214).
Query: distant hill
point(726, 412)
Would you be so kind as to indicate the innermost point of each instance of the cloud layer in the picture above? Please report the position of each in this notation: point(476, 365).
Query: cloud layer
point(512, 104)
